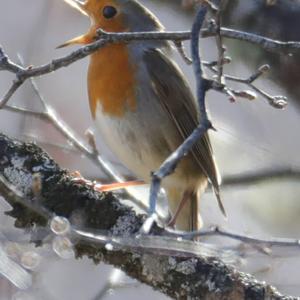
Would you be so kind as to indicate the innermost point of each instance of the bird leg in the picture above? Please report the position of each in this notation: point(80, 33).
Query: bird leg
point(184, 200)
point(117, 185)
point(78, 178)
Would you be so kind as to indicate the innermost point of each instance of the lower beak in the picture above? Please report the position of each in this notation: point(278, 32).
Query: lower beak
point(80, 40)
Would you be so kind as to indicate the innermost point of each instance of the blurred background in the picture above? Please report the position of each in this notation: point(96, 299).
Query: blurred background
point(251, 136)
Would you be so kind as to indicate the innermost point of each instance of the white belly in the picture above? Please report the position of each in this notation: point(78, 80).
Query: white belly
point(136, 146)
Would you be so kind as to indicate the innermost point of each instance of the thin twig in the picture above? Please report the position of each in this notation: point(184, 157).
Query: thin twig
point(14, 87)
point(219, 41)
point(277, 101)
point(181, 50)
point(217, 231)
point(40, 115)
point(7, 65)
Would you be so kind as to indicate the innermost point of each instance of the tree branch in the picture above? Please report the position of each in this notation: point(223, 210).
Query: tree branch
point(22, 74)
point(173, 267)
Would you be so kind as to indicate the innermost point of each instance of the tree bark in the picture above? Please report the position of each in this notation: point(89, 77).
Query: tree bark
point(180, 276)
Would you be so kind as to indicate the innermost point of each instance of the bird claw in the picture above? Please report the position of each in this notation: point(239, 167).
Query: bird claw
point(78, 178)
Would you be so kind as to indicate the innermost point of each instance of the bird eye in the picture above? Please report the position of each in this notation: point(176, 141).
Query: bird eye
point(109, 12)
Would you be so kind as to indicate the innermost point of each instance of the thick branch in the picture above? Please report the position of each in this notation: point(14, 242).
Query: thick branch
point(180, 275)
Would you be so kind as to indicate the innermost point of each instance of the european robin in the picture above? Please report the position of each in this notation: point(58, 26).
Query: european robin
point(143, 106)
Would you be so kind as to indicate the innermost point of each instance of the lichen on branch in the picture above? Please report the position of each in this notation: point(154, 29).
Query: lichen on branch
point(180, 275)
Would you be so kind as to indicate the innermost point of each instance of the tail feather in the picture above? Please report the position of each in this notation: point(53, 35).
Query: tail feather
point(220, 202)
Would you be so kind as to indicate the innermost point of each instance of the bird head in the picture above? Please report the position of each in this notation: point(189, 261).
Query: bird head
point(113, 16)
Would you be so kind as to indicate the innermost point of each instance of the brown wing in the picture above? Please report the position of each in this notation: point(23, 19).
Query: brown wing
point(178, 100)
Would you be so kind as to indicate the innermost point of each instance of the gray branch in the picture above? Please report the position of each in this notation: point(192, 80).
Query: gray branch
point(180, 274)
point(22, 74)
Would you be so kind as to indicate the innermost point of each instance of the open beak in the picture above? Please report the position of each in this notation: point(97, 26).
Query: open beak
point(80, 6)
point(83, 39)
point(80, 40)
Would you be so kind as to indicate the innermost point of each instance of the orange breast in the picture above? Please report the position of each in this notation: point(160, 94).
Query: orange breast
point(111, 81)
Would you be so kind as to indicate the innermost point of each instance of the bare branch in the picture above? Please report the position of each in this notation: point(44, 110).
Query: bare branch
point(217, 231)
point(40, 115)
point(219, 40)
point(181, 50)
point(104, 38)
point(14, 87)
point(7, 65)
point(277, 101)
point(263, 42)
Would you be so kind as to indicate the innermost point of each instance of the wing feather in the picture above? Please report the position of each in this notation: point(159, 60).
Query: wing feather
point(178, 100)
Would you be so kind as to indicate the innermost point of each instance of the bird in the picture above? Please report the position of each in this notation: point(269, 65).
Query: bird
point(144, 108)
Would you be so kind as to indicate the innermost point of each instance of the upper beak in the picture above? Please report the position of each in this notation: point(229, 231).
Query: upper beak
point(83, 39)
point(78, 5)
